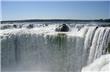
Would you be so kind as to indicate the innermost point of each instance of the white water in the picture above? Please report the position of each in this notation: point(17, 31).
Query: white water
point(101, 64)
point(42, 49)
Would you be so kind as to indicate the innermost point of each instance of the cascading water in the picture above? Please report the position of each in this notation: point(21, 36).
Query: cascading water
point(41, 49)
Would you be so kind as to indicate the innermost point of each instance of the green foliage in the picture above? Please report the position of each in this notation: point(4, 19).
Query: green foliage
point(108, 49)
point(59, 40)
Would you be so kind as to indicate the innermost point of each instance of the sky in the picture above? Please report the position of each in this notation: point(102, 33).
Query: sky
point(18, 10)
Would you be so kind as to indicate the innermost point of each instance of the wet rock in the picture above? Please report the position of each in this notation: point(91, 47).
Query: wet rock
point(46, 24)
point(30, 26)
point(5, 27)
point(108, 48)
point(15, 26)
point(62, 28)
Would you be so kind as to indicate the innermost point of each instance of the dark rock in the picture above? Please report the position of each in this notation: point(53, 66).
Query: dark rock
point(108, 48)
point(15, 26)
point(30, 26)
point(46, 24)
point(106, 25)
point(62, 28)
point(6, 27)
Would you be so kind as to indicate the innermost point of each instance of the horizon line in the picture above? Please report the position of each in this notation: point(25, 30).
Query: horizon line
point(56, 19)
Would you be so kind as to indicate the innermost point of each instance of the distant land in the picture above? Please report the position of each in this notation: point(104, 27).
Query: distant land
point(55, 20)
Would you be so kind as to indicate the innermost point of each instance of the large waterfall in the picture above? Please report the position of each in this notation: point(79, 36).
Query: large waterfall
point(41, 49)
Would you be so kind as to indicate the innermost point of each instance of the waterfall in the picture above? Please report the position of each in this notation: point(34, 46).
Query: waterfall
point(42, 49)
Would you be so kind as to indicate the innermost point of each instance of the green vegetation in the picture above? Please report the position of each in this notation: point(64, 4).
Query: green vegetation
point(57, 40)
point(108, 49)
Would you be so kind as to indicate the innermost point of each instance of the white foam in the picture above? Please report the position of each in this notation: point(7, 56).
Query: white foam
point(101, 64)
